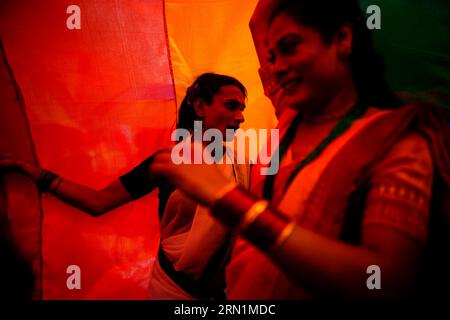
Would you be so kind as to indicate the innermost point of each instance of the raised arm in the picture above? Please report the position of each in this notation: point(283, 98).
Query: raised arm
point(259, 26)
point(91, 201)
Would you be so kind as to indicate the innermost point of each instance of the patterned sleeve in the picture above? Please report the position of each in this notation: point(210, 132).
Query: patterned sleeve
point(400, 189)
point(137, 182)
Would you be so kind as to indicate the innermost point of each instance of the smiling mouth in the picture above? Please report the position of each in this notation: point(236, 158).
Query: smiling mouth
point(234, 128)
point(291, 85)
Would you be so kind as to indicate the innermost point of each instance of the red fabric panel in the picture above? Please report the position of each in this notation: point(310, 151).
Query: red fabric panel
point(99, 100)
point(20, 210)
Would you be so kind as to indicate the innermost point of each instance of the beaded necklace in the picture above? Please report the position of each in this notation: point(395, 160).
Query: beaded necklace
point(342, 126)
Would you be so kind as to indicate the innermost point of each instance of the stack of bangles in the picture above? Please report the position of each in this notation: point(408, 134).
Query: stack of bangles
point(46, 179)
point(252, 218)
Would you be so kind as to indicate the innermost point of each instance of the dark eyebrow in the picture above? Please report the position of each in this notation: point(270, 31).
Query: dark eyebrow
point(279, 43)
point(234, 102)
point(288, 36)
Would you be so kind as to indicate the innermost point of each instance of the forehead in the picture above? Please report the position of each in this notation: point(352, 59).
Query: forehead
point(230, 93)
point(282, 25)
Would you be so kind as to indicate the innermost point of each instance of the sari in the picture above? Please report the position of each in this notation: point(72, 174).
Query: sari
point(194, 247)
point(388, 169)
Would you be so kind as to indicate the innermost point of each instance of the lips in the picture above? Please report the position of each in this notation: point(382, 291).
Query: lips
point(291, 85)
point(234, 128)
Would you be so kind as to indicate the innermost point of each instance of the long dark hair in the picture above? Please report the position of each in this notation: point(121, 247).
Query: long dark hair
point(367, 66)
point(204, 87)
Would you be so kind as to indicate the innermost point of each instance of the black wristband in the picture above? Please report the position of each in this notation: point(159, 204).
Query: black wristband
point(45, 180)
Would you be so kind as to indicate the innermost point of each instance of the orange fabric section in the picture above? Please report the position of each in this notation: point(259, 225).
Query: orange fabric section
point(213, 36)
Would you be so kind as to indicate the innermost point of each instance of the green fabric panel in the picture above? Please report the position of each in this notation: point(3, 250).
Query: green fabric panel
point(415, 42)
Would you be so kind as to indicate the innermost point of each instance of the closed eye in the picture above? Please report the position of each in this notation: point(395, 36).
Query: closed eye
point(234, 105)
point(288, 44)
point(272, 57)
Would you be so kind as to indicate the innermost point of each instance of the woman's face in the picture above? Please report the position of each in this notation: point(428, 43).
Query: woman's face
point(225, 111)
point(309, 70)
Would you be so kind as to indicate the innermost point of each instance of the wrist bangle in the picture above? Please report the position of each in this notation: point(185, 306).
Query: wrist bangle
point(284, 235)
point(58, 182)
point(46, 178)
point(265, 228)
point(252, 214)
point(232, 206)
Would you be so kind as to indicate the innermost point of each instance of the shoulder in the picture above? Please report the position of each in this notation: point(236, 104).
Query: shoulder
point(400, 187)
point(408, 161)
point(411, 145)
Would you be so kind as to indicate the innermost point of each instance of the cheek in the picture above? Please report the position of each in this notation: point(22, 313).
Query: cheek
point(331, 63)
point(224, 115)
point(210, 123)
point(325, 71)
point(314, 84)
point(301, 96)
point(214, 120)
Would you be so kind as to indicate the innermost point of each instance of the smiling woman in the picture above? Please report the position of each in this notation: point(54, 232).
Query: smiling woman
point(312, 72)
point(322, 56)
point(358, 174)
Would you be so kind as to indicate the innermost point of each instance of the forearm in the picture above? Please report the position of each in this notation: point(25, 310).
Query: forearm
point(321, 265)
point(76, 195)
point(328, 267)
point(259, 26)
point(79, 196)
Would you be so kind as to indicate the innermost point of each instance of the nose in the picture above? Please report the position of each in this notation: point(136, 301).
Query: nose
point(239, 117)
point(280, 67)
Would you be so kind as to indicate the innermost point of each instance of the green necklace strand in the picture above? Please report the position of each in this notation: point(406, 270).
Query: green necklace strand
point(342, 126)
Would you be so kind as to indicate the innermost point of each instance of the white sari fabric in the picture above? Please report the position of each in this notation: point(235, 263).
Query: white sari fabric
point(189, 238)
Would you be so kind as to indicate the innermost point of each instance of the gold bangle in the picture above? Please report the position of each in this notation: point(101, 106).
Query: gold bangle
point(252, 214)
point(286, 233)
point(56, 183)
